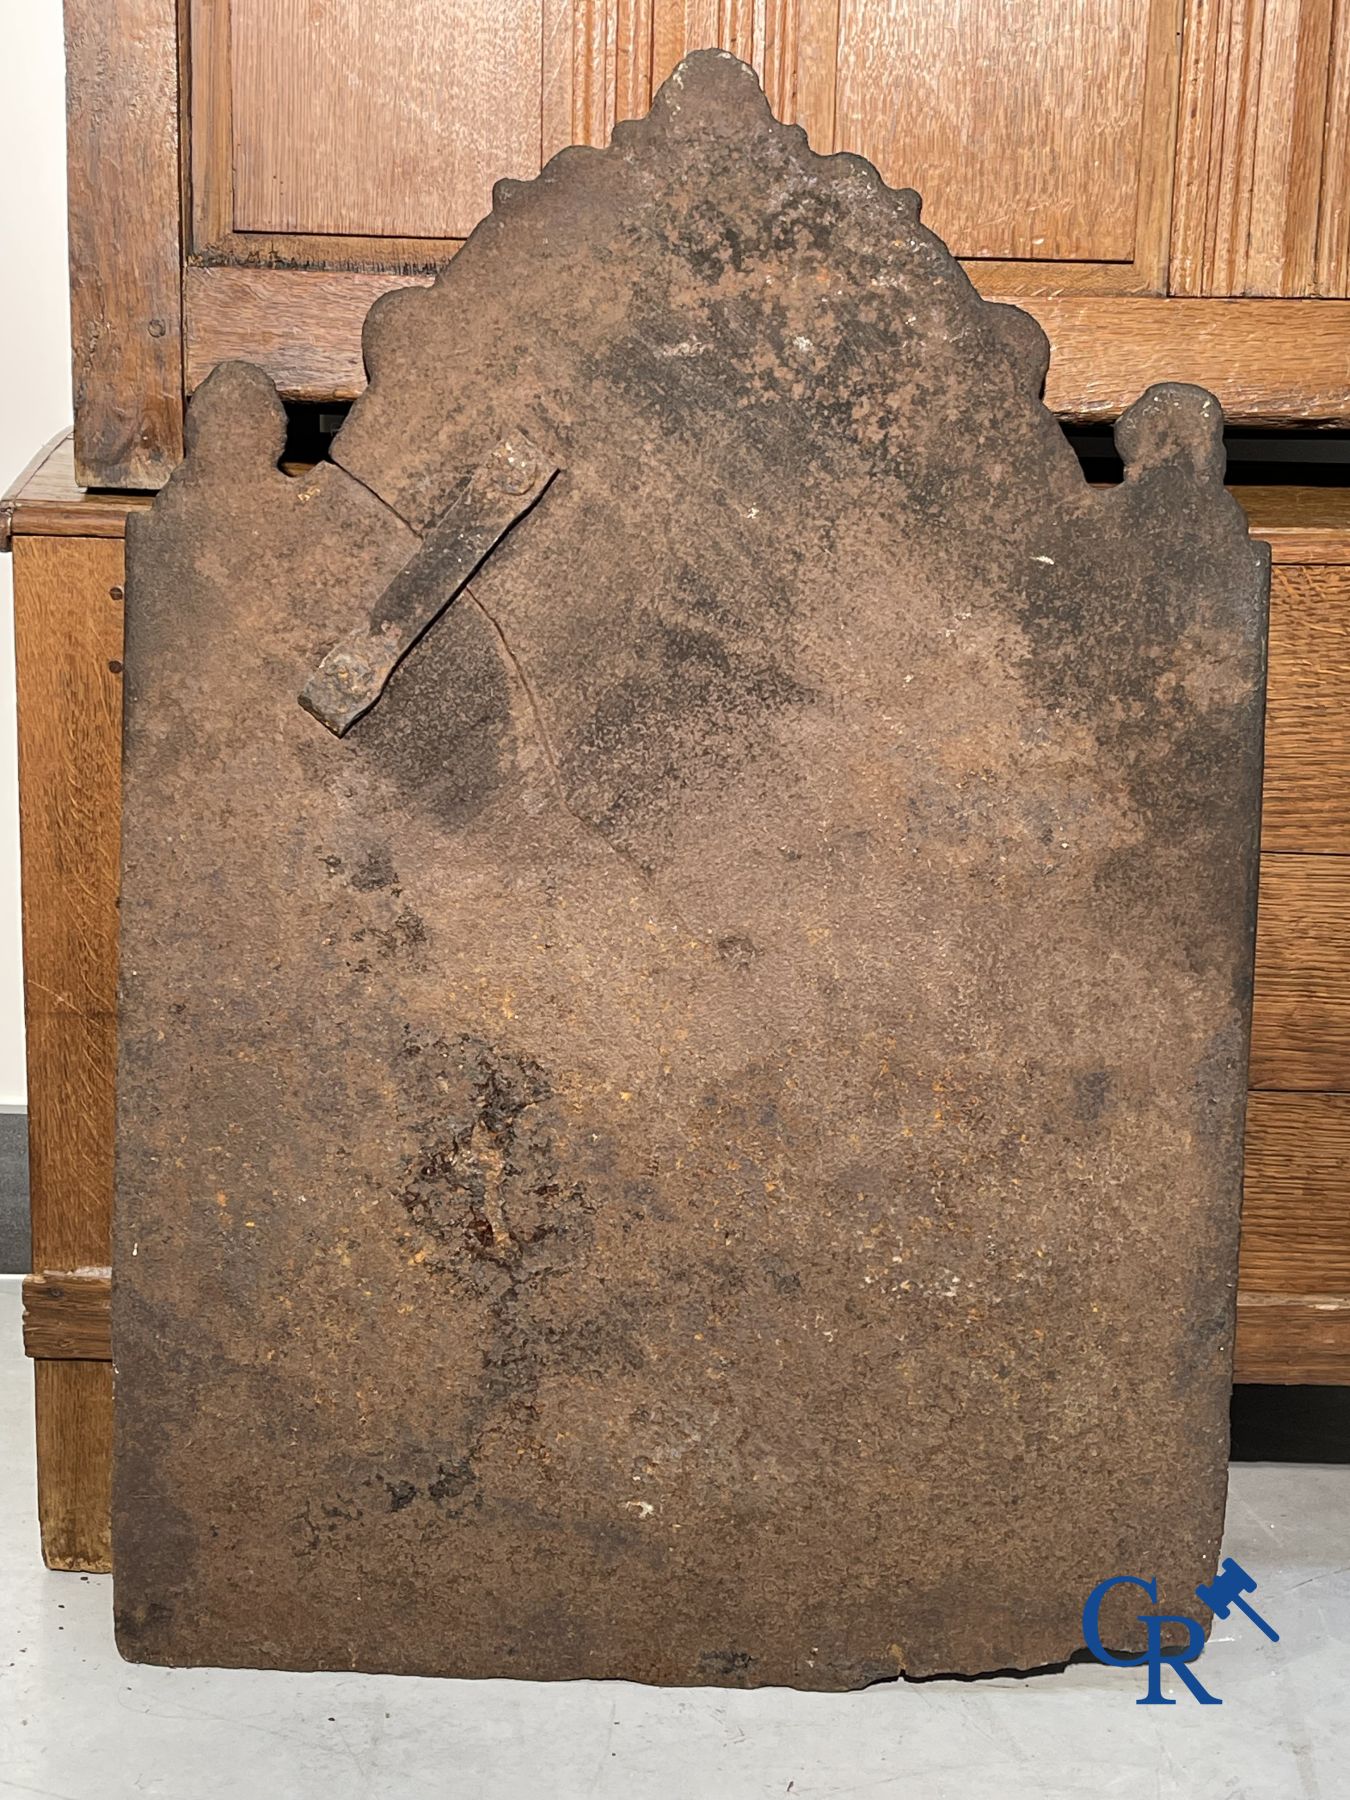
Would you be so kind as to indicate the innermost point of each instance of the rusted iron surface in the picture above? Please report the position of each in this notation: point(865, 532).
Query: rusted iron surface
point(701, 1141)
point(352, 676)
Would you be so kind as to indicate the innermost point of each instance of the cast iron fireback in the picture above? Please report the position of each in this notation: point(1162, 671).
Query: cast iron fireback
point(681, 1117)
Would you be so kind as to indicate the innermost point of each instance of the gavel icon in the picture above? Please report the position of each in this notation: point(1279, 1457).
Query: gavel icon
point(1226, 1591)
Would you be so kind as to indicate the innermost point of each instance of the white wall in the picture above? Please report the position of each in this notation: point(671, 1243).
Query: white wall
point(34, 388)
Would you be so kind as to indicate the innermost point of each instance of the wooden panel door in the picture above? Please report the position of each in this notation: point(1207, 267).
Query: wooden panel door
point(1041, 137)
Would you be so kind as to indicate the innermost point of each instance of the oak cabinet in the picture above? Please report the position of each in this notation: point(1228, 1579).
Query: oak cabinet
point(248, 175)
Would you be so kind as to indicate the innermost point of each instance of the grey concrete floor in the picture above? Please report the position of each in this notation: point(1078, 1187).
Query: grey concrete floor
point(78, 1724)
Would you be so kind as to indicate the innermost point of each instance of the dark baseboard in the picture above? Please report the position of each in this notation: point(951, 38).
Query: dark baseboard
point(15, 1244)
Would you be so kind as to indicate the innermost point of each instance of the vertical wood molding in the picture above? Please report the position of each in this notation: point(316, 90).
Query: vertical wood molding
point(762, 33)
point(634, 78)
point(817, 71)
point(1158, 159)
point(68, 646)
point(1284, 240)
point(597, 69)
point(778, 37)
point(208, 124)
point(123, 206)
point(1333, 225)
point(594, 70)
point(1250, 149)
point(1210, 43)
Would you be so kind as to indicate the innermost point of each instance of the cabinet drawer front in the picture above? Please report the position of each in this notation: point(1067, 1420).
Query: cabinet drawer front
point(1307, 786)
point(1296, 1195)
point(1301, 1018)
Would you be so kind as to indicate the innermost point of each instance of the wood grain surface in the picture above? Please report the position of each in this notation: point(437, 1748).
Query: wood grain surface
point(123, 204)
point(343, 123)
point(68, 637)
point(1268, 361)
point(1301, 1020)
point(679, 26)
point(1250, 154)
point(46, 500)
point(1296, 1194)
point(1307, 785)
point(1293, 1338)
point(302, 325)
point(28, 477)
point(74, 1403)
point(1302, 525)
point(1053, 170)
point(68, 642)
point(68, 1316)
point(596, 69)
point(1333, 223)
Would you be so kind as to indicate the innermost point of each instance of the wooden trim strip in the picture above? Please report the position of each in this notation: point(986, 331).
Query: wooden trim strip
point(1297, 545)
point(1302, 525)
point(47, 501)
point(302, 325)
point(12, 497)
point(1277, 362)
point(207, 121)
point(1270, 362)
point(1293, 1338)
point(68, 1316)
point(1333, 225)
